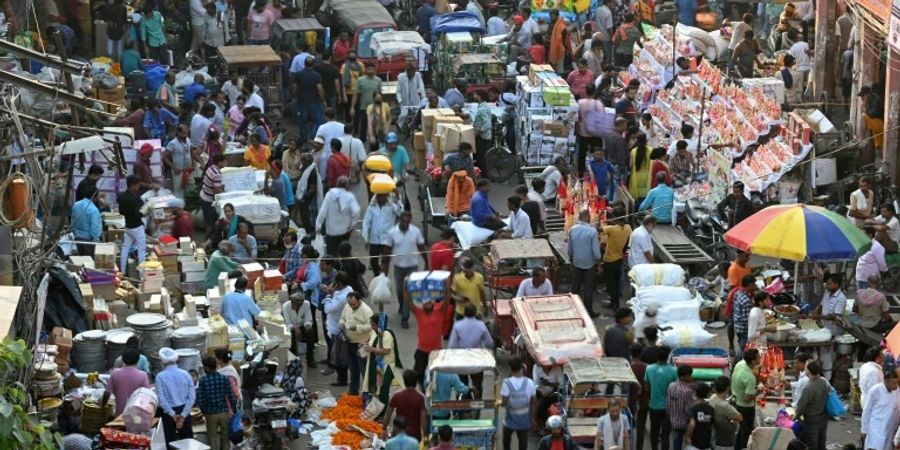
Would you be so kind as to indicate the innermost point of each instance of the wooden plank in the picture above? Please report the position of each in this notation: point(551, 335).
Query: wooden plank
point(248, 55)
point(674, 247)
point(594, 402)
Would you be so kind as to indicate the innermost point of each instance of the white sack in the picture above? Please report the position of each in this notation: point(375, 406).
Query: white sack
point(656, 275)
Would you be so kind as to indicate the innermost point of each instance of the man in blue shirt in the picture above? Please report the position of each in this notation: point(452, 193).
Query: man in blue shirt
point(687, 10)
point(602, 171)
point(176, 393)
point(483, 214)
point(584, 252)
point(192, 90)
point(155, 120)
point(401, 440)
point(86, 223)
point(659, 200)
point(444, 384)
point(238, 306)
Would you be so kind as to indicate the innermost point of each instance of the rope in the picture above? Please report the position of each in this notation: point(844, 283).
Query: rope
point(26, 215)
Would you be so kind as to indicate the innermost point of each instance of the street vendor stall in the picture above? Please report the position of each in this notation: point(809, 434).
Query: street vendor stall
point(259, 64)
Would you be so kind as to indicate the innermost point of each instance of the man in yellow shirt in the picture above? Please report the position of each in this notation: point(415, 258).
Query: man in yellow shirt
point(468, 287)
point(616, 235)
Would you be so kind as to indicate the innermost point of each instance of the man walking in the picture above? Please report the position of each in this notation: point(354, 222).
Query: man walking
point(743, 388)
point(403, 241)
point(214, 394)
point(584, 252)
point(471, 332)
point(175, 390)
point(130, 204)
point(430, 331)
point(356, 324)
point(339, 213)
point(679, 400)
point(309, 96)
point(659, 376)
point(380, 218)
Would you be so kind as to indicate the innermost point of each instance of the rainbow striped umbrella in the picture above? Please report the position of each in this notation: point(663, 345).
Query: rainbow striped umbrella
point(798, 232)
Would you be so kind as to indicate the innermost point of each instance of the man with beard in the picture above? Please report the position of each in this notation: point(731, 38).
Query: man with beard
point(612, 428)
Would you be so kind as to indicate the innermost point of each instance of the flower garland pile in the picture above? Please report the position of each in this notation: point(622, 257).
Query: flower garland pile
point(347, 416)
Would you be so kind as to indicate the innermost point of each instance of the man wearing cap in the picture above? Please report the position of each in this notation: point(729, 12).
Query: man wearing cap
point(298, 318)
point(397, 154)
point(142, 168)
point(737, 204)
point(175, 390)
point(557, 439)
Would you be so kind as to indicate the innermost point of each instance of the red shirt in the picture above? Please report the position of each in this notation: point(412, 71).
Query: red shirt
point(431, 328)
point(578, 82)
point(441, 257)
point(409, 403)
point(538, 53)
point(340, 51)
point(183, 226)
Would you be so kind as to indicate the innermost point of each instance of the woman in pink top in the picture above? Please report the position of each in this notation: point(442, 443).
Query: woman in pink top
point(236, 116)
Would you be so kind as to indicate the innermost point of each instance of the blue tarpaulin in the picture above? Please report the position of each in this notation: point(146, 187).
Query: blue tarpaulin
point(455, 22)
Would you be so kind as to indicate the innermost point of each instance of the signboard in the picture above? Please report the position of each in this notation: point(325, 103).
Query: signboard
point(894, 27)
point(719, 175)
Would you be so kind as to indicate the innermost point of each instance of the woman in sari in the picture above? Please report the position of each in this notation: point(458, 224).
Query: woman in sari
point(382, 360)
point(658, 165)
point(226, 227)
point(639, 183)
point(235, 116)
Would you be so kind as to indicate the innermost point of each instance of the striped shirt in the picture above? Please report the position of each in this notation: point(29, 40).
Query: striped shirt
point(212, 183)
point(680, 399)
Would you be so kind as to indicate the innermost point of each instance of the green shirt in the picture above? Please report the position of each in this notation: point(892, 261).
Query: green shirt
point(366, 87)
point(218, 263)
point(743, 383)
point(399, 159)
point(659, 377)
point(131, 61)
point(152, 30)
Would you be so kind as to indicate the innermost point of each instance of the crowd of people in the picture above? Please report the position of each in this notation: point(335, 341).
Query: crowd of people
point(340, 120)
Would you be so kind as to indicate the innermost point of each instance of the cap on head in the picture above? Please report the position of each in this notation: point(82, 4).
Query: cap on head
point(554, 422)
point(167, 355)
point(391, 138)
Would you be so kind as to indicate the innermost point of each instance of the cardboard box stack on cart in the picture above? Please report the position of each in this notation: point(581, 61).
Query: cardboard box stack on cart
point(442, 132)
point(547, 115)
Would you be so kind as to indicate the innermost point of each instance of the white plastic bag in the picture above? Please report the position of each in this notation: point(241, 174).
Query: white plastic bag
point(657, 296)
point(678, 312)
point(318, 243)
point(685, 334)
point(158, 440)
point(469, 234)
point(643, 275)
point(380, 290)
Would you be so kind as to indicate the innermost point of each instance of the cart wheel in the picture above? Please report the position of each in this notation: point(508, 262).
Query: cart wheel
point(500, 164)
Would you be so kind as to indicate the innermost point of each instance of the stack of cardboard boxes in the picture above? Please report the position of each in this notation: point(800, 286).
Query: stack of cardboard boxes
point(62, 339)
point(442, 132)
point(547, 116)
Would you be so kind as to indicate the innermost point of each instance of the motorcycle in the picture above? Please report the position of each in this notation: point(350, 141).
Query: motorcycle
point(707, 230)
point(271, 410)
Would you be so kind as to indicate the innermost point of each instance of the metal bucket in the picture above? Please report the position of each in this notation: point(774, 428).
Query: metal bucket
point(188, 358)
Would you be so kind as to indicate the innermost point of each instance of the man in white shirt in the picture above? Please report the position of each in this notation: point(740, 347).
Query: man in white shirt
point(200, 124)
point(881, 414)
point(641, 245)
point(405, 244)
point(800, 360)
point(410, 87)
point(687, 135)
point(870, 373)
point(338, 214)
point(888, 223)
point(801, 53)
point(552, 176)
point(331, 129)
point(231, 88)
point(495, 25)
point(297, 316)
point(356, 152)
point(537, 285)
point(529, 26)
point(519, 222)
point(380, 218)
point(253, 98)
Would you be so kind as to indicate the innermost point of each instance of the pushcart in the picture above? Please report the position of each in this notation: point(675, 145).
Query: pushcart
point(259, 64)
point(588, 387)
point(477, 433)
point(555, 329)
point(509, 262)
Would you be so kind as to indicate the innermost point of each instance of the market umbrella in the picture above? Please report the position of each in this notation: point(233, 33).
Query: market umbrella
point(798, 232)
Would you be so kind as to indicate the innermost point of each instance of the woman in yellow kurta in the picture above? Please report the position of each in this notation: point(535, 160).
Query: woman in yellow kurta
point(257, 154)
point(639, 183)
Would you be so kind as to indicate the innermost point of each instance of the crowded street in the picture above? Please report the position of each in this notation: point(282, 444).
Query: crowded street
point(415, 224)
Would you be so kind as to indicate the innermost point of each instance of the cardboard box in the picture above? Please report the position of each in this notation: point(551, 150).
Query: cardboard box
point(419, 141)
point(535, 69)
point(272, 280)
point(105, 256)
point(438, 151)
point(557, 95)
point(454, 134)
point(428, 116)
point(62, 339)
point(115, 95)
point(555, 129)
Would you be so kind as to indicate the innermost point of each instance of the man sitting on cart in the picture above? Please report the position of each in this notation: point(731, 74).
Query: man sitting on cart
point(537, 285)
point(483, 214)
point(547, 379)
point(459, 160)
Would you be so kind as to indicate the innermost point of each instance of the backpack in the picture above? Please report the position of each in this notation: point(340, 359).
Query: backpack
point(597, 121)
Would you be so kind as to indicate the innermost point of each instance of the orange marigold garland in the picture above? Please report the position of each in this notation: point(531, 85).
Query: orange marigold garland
point(347, 415)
